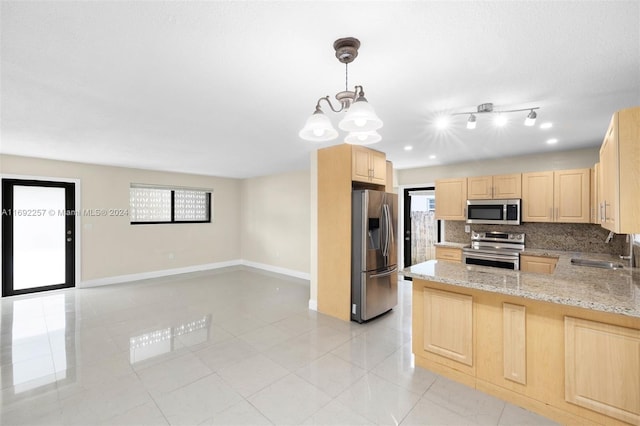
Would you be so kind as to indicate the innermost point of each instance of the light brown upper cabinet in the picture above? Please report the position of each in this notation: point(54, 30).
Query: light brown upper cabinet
point(494, 187)
point(620, 173)
point(556, 196)
point(368, 165)
point(595, 193)
point(451, 199)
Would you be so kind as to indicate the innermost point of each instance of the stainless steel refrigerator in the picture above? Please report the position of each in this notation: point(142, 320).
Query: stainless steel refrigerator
point(374, 268)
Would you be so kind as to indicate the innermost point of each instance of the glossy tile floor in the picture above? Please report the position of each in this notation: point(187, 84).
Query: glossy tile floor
point(235, 346)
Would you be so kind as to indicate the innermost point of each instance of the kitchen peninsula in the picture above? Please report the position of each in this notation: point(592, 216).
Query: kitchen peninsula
point(566, 344)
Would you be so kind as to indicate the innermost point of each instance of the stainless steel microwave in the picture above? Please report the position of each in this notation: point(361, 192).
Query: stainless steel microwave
point(494, 212)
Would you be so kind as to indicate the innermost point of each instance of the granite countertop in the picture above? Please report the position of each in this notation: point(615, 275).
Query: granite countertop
point(615, 291)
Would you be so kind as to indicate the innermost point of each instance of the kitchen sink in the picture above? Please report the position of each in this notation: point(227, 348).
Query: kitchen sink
point(597, 263)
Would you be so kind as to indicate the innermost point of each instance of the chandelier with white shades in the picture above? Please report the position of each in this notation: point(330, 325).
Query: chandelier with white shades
point(360, 119)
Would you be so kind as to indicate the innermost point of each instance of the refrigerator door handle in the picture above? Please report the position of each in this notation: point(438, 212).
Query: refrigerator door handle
point(385, 273)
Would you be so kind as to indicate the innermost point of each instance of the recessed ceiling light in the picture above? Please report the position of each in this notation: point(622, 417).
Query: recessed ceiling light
point(442, 122)
point(501, 120)
point(408, 148)
point(432, 157)
point(552, 141)
point(546, 125)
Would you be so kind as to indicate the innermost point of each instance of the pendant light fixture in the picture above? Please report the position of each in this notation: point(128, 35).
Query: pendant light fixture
point(360, 119)
point(501, 119)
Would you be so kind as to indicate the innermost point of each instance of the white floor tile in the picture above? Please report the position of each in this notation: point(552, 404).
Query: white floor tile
point(198, 401)
point(337, 414)
point(240, 414)
point(378, 400)
point(289, 401)
point(331, 374)
point(172, 374)
point(516, 416)
point(474, 406)
point(252, 374)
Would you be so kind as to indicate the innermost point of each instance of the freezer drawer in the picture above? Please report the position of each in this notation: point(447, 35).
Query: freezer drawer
point(375, 294)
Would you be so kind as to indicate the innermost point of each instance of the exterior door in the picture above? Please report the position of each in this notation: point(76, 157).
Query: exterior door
point(421, 229)
point(38, 225)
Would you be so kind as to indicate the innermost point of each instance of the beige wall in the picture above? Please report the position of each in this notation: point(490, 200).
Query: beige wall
point(529, 163)
point(110, 246)
point(275, 221)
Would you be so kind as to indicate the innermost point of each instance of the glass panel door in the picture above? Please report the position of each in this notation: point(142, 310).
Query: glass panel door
point(38, 241)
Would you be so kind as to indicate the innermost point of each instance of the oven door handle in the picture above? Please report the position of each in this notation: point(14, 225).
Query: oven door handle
point(492, 256)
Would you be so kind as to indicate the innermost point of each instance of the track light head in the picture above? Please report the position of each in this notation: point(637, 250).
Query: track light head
point(531, 118)
point(471, 122)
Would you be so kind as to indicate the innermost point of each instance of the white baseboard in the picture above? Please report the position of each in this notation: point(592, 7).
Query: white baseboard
point(157, 274)
point(195, 268)
point(313, 305)
point(277, 269)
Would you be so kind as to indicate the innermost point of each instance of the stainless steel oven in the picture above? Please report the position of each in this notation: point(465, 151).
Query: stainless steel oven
point(497, 249)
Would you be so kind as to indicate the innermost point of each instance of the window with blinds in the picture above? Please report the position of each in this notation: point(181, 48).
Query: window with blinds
point(156, 204)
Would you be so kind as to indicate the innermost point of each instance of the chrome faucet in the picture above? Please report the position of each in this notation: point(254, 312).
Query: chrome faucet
point(609, 237)
point(629, 257)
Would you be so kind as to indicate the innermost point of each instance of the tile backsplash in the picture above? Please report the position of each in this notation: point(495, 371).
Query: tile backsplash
point(583, 237)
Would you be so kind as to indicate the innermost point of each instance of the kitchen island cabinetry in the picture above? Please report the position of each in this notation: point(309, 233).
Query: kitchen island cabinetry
point(515, 349)
point(494, 187)
point(572, 364)
point(620, 173)
point(556, 196)
point(451, 199)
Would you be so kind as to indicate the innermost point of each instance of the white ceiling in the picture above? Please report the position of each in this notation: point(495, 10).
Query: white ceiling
point(223, 87)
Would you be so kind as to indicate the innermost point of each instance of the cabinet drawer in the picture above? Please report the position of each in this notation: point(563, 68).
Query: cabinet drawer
point(539, 264)
point(449, 253)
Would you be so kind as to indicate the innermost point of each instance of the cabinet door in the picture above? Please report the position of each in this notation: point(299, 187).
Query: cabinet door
point(514, 343)
point(507, 186)
point(539, 264)
point(480, 188)
point(571, 196)
point(451, 199)
point(537, 197)
point(448, 325)
point(360, 168)
point(378, 164)
point(594, 193)
point(450, 254)
point(602, 367)
point(609, 168)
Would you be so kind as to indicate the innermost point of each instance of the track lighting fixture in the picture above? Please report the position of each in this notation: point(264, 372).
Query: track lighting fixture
point(501, 119)
point(360, 119)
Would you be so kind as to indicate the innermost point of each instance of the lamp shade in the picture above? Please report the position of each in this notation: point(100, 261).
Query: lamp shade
point(360, 118)
point(318, 128)
point(363, 138)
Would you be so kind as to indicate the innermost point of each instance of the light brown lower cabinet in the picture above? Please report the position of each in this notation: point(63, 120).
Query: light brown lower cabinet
point(514, 342)
point(539, 264)
point(602, 368)
point(448, 325)
point(450, 254)
point(573, 365)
